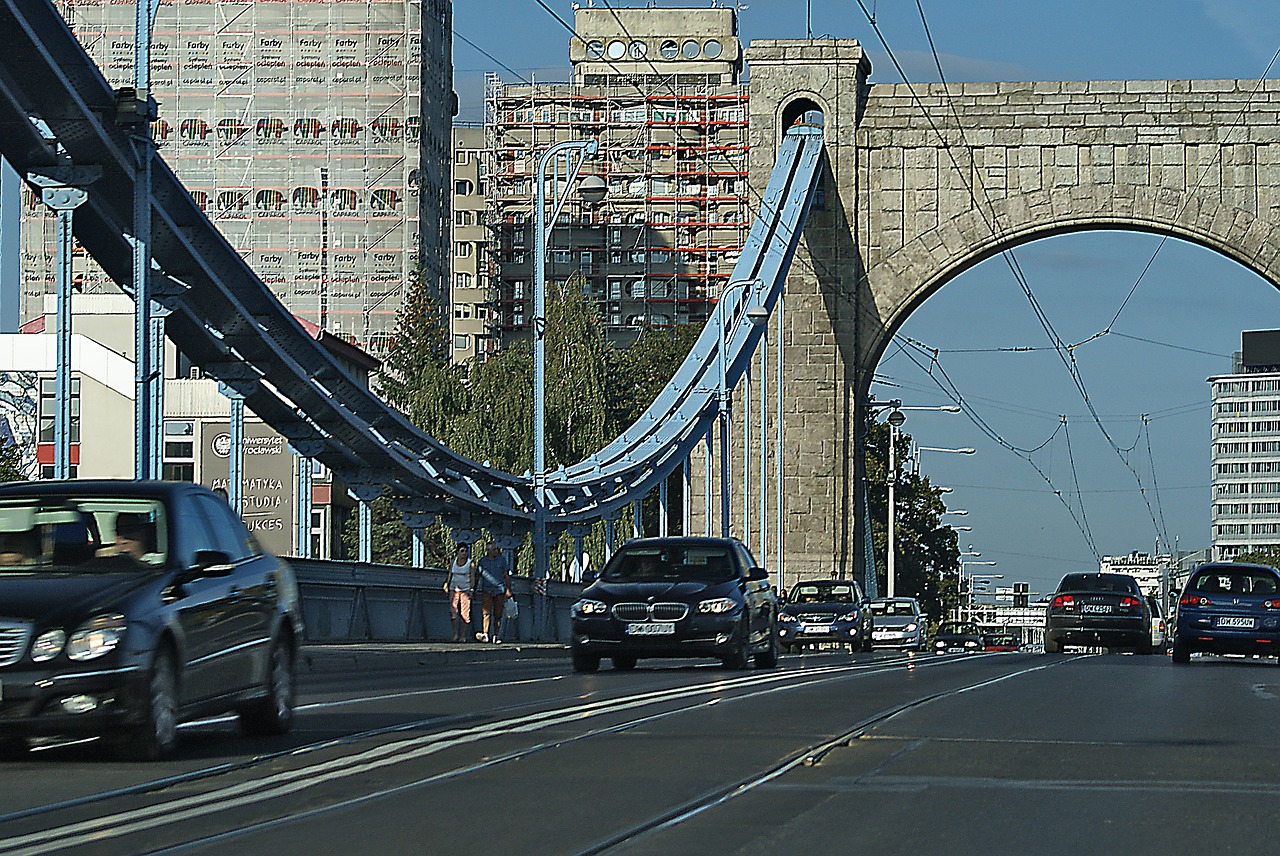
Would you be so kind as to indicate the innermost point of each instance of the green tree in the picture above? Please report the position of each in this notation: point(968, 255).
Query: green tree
point(1261, 557)
point(577, 376)
point(418, 379)
point(11, 462)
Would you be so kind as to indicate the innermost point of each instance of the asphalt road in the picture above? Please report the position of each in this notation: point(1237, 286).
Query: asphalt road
point(882, 753)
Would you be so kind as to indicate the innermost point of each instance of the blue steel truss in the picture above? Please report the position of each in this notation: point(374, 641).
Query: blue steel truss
point(231, 325)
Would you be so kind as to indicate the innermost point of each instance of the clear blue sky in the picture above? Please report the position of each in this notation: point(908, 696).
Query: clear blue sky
point(1193, 302)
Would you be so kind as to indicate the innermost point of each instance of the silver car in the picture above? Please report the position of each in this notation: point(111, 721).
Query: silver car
point(899, 623)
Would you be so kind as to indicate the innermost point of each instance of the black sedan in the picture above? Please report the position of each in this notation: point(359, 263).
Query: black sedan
point(957, 637)
point(826, 612)
point(128, 607)
point(1096, 609)
point(677, 597)
point(1229, 608)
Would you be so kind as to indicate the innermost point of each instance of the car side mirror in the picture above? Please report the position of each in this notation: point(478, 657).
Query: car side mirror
point(757, 574)
point(210, 563)
point(588, 577)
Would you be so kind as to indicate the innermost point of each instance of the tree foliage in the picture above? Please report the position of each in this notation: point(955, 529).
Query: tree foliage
point(1261, 557)
point(11, 468)
point(485, 409)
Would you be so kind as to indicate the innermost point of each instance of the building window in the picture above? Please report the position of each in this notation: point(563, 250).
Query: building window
point(462, 157)
point(464, 218)
point(461, 342)
point(462, 249)
point(49, 407)
point(463, 187)
point(462, 280)
point(179, 451)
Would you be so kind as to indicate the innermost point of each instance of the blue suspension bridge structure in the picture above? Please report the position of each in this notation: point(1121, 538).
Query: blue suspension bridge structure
point(64, 127)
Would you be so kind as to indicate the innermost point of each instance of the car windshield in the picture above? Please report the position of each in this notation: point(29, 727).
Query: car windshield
point(892, 607)
point(709, 564)
point(1232, 581)
point(82, 532)
point(957, 628)
point(1099, 582)
point(823, 593)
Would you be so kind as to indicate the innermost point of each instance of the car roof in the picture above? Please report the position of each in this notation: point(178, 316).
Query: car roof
point(1236, 566)
point(96, 487)
point(681, 541)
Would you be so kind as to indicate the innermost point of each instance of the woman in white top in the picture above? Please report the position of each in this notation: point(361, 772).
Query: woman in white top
point(457, 587)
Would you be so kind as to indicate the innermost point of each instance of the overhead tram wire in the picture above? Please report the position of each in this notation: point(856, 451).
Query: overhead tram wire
point(490, 56)
point(1064, 351)
point(1199, 183)
point(950, 389)
point(1075, 480)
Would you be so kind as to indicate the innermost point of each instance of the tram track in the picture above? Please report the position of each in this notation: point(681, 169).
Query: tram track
point(448, 732)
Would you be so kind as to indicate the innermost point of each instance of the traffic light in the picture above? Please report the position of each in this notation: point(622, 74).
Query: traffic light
point(1021, 594)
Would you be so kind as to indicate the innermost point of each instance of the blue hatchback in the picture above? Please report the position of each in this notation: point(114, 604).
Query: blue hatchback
point(1229, 608)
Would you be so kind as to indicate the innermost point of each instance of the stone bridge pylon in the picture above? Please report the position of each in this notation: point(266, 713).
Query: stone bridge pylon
point(921, 186)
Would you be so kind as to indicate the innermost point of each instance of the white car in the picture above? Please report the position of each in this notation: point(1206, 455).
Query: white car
point(1159, 636)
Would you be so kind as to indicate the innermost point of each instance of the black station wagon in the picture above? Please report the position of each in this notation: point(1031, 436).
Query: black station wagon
point(677, 597)
point(128, 607)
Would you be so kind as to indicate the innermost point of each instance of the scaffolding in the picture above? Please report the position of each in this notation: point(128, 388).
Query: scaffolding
point(296, 127)
point(673, 154)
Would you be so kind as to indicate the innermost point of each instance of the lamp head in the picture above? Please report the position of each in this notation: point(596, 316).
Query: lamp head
point(592, 189)
point(758, 315)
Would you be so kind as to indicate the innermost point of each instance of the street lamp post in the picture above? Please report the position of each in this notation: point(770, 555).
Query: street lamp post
point(973, 577)
point(895, 419)
point(568, 157)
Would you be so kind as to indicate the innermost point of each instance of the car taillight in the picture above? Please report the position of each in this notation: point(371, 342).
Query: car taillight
point(1065, 600)
point(1129, 602)
point(1271, 604)
point(1194, 600)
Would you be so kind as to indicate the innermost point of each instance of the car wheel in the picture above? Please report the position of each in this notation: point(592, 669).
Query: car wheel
point(273, 713)
point(585, 662)
point(157, 736)
point(737, 656)
point(1052, 646)
point(768, 658)
point(624, 664)
point(1181, 651)
point(867, 644)
point(1145, 646)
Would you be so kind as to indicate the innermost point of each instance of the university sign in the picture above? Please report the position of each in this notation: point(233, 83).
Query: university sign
point(267, 484)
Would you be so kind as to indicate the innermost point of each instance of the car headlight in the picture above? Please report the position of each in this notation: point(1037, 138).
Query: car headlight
point(784, 616)
point(911, 628)
point(718, 605)
point(586, 607)
point(48, 645)
point(970, 644)
point(939, 643)
point(850, 616)
point(96, 637)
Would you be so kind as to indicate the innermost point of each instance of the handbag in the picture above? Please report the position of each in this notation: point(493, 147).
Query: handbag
point(511, 609)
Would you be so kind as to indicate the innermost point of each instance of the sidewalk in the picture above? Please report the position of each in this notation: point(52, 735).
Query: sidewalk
point(329, 657)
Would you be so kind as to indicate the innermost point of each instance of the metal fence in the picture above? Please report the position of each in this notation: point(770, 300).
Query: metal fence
point(351, 601)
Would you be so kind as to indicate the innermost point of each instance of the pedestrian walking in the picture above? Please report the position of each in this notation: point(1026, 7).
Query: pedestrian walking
point(457, 588)
point(492, 578)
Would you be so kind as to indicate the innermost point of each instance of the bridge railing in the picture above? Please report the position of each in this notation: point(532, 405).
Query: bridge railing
point(355, 602)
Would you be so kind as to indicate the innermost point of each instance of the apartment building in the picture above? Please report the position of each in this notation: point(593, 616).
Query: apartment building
point(469, 298)
point(659, 89)
point(298, 127)
point(1246, 449)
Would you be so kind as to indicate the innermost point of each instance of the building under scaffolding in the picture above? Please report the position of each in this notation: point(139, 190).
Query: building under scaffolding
point(659, 89)
point(297, 127)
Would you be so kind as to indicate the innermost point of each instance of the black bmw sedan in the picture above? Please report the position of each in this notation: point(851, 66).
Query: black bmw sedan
point(677, 597)
point(1106, 610)
point(128, 607)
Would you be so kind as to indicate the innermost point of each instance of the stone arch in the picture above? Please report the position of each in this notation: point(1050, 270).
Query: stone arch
point(792, 106)
point(903, 280)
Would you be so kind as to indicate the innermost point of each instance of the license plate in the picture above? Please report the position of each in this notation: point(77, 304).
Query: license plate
point(886, 634)
point(816, 628)
point(1096, 607)
point(1226, 621)
point(657, 628)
